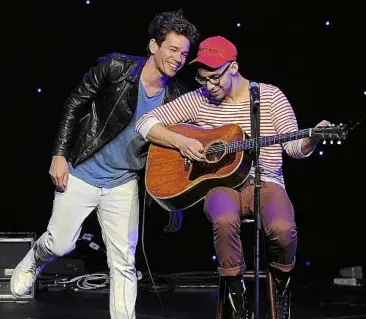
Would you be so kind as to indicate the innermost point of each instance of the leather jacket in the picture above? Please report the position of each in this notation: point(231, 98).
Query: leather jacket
point(102, 105)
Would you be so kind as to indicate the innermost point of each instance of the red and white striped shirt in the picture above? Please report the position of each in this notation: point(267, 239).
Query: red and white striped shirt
point(196, 107)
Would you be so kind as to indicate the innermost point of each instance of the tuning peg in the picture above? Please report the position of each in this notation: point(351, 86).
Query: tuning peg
point(331, 142)
point(338, 142)
point(324, 142)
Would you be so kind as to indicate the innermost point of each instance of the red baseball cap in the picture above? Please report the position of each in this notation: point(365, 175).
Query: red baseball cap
point(215, 51)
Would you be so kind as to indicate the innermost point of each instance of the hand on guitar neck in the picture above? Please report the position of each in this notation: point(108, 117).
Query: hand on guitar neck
point(310, 143)
point(188, 147)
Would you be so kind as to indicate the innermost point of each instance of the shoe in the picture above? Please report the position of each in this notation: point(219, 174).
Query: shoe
point(283, 299)
point(237, 297)
point(25, 274)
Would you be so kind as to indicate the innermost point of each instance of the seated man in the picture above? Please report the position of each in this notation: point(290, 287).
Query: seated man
point(224, 98)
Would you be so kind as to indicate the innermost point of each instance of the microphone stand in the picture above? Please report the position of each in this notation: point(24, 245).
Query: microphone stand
point(257, 187)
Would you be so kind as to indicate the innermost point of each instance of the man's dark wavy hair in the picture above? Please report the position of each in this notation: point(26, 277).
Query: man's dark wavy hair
point(172, 21)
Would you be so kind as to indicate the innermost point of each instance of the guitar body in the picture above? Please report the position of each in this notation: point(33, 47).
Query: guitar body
point(177, 183)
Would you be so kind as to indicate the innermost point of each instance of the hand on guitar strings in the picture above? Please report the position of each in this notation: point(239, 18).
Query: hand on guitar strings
point(192, 149)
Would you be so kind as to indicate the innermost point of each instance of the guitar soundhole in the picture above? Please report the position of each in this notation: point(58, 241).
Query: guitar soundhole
point(216, 159)
point(215, 152)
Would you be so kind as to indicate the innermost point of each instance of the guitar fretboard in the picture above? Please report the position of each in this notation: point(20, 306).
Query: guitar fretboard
point(240, 146)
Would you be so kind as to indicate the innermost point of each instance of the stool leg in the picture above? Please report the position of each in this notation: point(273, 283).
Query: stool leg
point(271, 294)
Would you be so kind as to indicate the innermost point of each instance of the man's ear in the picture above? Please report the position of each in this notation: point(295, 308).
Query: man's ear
point(234, 68)
point(153, 46)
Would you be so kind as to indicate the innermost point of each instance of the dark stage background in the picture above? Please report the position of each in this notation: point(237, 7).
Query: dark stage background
point(320, 67)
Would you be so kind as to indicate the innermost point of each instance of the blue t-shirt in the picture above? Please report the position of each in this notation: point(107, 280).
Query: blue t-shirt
point(120, 160)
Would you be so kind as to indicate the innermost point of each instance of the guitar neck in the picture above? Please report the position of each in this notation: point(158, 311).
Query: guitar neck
point(240, 146)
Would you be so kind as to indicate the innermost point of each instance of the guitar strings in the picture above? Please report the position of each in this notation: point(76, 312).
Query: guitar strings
point(250, 142)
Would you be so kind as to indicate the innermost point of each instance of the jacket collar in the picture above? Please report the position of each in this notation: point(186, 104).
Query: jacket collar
point(136, 72)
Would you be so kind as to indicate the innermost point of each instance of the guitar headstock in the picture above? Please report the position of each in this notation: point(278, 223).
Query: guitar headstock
point(333, 132)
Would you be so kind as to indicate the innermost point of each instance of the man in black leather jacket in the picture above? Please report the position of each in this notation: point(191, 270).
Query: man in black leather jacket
point(98, 155)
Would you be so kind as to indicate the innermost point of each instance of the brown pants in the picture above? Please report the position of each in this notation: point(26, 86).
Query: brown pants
point(225, 208)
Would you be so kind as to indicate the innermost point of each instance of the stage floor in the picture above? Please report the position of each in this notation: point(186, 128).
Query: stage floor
point(198, 303)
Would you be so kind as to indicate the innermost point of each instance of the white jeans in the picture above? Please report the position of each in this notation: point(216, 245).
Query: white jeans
point(117, 210)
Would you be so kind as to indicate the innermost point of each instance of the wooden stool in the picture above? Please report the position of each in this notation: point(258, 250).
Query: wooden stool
point(223, 304)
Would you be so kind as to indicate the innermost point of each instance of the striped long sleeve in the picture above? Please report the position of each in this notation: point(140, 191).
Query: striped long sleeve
point(284, 121)
point(184, 109)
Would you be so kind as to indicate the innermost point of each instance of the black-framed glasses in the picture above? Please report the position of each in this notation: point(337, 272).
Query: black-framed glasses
point(214, 79)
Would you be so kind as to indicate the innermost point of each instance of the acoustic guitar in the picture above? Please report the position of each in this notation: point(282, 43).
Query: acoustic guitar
point(177, 183)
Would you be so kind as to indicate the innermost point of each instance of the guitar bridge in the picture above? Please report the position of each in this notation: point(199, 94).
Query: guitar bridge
point(187, 164)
